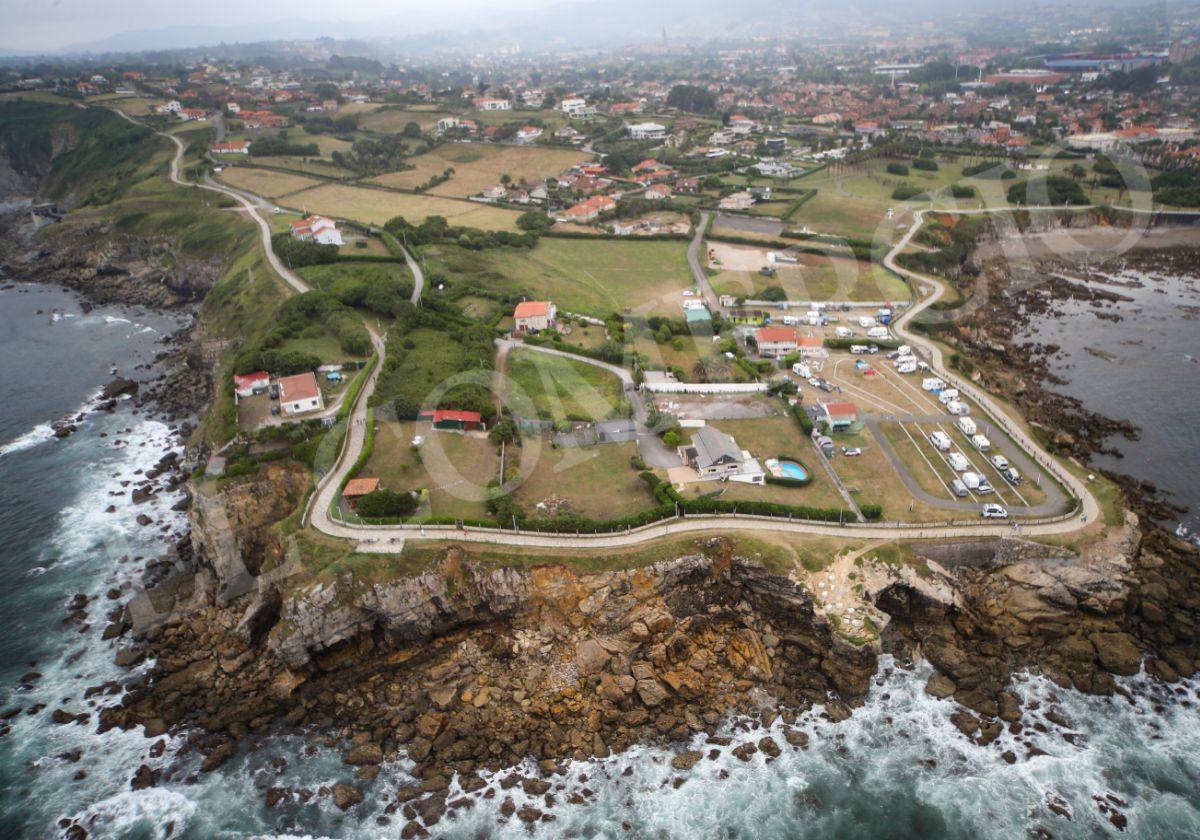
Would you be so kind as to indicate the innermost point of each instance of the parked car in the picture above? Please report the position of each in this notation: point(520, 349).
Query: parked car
point(994, 512)
point(1012, 476)
point(985, 487)
point(851, 451)
point(999, 462)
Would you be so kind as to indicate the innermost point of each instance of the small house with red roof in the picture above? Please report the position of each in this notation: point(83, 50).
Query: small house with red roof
point(533, 316)
point(356, 488)
point(248, 384)
point(839, 415)
point(299, 393)
point(452, 419)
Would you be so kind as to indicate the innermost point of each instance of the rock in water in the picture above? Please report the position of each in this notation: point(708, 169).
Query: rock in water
point(346, 796)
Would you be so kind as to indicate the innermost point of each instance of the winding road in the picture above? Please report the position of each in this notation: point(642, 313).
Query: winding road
point(391, 538)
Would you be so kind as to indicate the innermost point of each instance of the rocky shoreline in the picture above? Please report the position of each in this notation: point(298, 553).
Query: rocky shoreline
point(471, 670)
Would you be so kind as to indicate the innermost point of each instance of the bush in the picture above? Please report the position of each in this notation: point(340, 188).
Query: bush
point(1052, 190)
point(897, 169)
point(773, 293)
point(962, 191)
point(905, 192)
point(925, 164)
point(382, 503)
point(671, 439)
point(992, 170)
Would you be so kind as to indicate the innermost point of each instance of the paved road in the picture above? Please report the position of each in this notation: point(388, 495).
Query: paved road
point(697, 265)
point(289, 276)
point(650, 446)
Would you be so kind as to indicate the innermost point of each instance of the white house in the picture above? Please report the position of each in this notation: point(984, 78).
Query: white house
point(776, 342)
point(576, 106)
point(535, 316)
point(493, 104)
point(299, 393)
point(528, 134)
point(317, 229)
point(647, 131)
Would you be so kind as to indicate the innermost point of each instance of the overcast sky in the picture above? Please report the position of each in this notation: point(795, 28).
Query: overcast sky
point(51, 24)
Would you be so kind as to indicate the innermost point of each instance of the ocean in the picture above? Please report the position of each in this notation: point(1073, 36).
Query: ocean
point(897, 768)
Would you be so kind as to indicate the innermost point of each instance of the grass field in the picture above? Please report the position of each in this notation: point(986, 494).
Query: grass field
point(391, 121)
point(591, 277)
point(818, 277)
point(454, 468)
point(871, 479)
point(596, 481)
point(433, 357)
point(477, 166)
point(377, 206)
point(562, 389)
point(266, 182)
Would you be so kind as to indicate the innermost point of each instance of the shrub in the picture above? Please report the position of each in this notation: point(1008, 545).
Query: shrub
point(962, 191)
point(897, 169)
point(925, 164)
point(905, 192)
point(382, 503)
point(671, 438)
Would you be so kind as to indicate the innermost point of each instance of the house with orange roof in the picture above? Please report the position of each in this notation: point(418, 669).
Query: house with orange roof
point(356, 488)
point(776, 342)
point(588, 209)
point(299, 393)
point(533, 316)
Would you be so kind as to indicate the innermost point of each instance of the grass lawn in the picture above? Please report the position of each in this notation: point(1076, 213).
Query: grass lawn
point(377, 206)
point(392, 121)
point(596, 481)
point(695, 349)
point(455, 468)
point(329, 276)
point(818, 277)
point(563, 389)
point(871, 479)
point(477, 166)
point(591, 277)
point(433, 357)
point(316, 340)
point(266, 182)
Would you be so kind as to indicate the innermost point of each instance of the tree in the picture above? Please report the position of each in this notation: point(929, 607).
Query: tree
point(386, 503)
point(505, 431)
point(773, 293)
point(534, 221)
point(692, 98)
point(671, 439)
point(406, 408)
point(412, 130)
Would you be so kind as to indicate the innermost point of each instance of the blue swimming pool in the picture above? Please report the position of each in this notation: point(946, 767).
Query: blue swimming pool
point(791, 469)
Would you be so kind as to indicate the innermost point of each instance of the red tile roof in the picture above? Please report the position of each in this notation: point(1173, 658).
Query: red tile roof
point(360, 487)
point(532, 309)
point(302, 386)
point(776, 335)
point(841, 409)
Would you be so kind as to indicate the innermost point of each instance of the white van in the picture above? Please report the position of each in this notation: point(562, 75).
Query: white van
point(859, 349)
point(957, 408)
point(933, 384)
point(904, 350)
point(844, 332)
point(972, 480)
point(981, 443)
point(790, 320)
point(906, 367)
point(958, 462)
point(814, 319)
point(999, 462)
point(801, 370)
point(877, 333)
point(967, 426)
point(948, 395)
point(941, 441)
point(959, 489)
point(866, 321)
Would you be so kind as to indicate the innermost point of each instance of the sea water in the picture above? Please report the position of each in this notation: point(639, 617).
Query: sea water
point(897, 768)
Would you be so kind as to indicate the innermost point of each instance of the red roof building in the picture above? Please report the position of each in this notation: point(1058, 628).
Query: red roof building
point(299, 393)
point(245, 384)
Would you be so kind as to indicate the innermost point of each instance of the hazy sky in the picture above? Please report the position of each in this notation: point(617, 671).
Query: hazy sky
point(51, 24)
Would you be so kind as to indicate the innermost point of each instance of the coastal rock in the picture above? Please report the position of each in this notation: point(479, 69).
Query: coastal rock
point(346, 796)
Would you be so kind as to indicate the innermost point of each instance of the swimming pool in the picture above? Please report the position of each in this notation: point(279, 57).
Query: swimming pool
point(790, 469)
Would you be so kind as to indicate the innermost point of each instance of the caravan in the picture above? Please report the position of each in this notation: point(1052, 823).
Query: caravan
point(906, 366)
point(866, 322)
point(941, 441)
point(958, 409)
point(967, 426)
point(877, 333)
point(981, 443)
point(859, 349)
point(948, 395)
point(958, 462)
point(933, 384)
point(844, 332)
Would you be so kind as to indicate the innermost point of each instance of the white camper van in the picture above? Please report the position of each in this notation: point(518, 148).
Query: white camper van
point(940, 440)
point(933, 384)
point(967, 426)
point(958, 462)
point(971, 479)
point(844, 332)
point(958, 409)
point(859, 349)
point(948, 395)
point(981, 443)
point(866, 321)
point(906, 367)
point(877, 333)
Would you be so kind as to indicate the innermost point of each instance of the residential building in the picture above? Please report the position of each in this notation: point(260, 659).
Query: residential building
point(647, 131)
point(248, 384)
point(576, 106)
point(533, 316)
point(317, 229)
point(493, 105)
point(839, 415)
point(776, 342)
point(713, 454)
point(448, 419)
point(231, 147)
point(299, 393)
point(589, 209)
point(528, 134)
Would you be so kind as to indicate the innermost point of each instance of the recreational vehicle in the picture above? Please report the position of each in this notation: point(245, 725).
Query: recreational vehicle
point(981, 442)
point(958, 462)
point(941, 441)
point(967, 426)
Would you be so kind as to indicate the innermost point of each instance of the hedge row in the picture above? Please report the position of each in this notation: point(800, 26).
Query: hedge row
point(798, 203)
point(846, 343)
point(585, 234)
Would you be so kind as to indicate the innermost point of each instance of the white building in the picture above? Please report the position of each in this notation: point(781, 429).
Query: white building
point(577, 106)
point(299, 393)
point(317, 229)
point(647, 131)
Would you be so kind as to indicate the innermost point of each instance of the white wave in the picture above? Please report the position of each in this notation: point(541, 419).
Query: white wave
point(38, 434)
